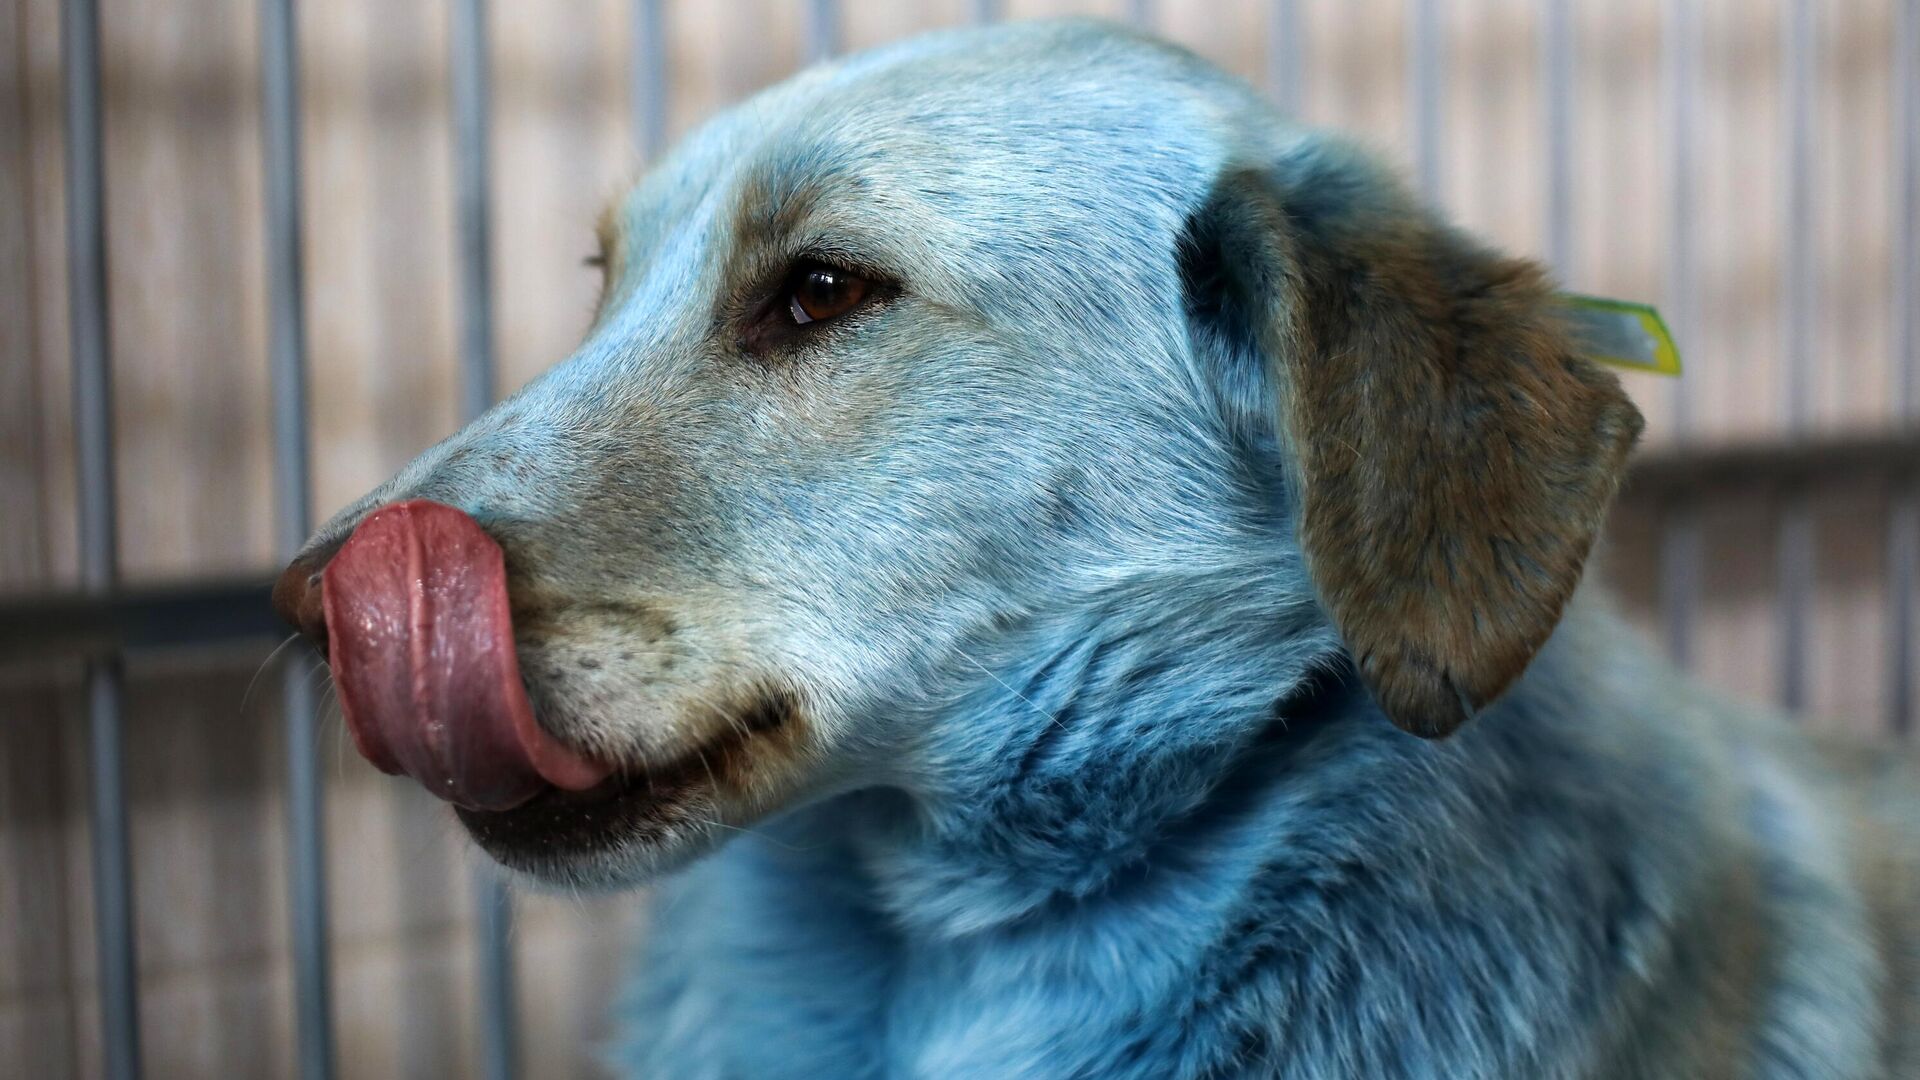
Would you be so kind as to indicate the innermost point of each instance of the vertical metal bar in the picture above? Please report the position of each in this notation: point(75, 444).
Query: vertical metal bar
point(1795, 554)
point(1799, 41)
point(649, 78)
point(1680, 535)
point(1285, 56)
point(1906, 222)
point(1795, 539)
point(87, 296)
point(988, 11)
point(98, 556)
point(280, 129)
point(1679, 581)
point(1424, 77)
point(1903, 528)
point(306, 847)
point(1557, 58)
point(1903, 581)
point(112, 874)
point(493, 910)
point(472, 172)
point(823, 29)
point(499, 1025)
point(1680, 58)
point(499, 1018)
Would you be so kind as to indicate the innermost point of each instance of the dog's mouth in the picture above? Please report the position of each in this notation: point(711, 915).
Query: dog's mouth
point(421, 646)
point(644, 806)
point(420, 642)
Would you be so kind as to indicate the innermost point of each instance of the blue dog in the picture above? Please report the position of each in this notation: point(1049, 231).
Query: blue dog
point(1025, 498)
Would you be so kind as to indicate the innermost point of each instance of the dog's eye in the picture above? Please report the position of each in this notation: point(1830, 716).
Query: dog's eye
point(817, 292)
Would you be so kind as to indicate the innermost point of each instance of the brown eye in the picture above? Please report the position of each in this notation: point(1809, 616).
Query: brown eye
point(819, 292)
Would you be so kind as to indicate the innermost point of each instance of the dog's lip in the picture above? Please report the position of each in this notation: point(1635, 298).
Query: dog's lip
point(635, 804)
point(654, 800)
point(621, 784)
point(669, 771)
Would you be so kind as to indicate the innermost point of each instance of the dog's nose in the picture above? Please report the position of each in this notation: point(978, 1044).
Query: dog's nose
point(296, 596)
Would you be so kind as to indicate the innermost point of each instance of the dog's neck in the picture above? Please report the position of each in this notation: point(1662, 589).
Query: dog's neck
point(1126, 733)
point(1135, 827)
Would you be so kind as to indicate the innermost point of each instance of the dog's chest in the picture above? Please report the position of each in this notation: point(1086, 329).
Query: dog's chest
point(760, 967)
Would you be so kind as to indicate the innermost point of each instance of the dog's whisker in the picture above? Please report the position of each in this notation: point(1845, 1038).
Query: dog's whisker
point(316, 676)
point(757, 834)
point(964, 655)
point(320, 716)
point(254, 682)
point(338, 723)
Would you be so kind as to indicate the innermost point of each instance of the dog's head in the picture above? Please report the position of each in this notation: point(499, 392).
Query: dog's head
point(918, 348)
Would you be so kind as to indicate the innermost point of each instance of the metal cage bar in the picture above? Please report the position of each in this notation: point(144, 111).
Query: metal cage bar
point(293, 498)
point(1794, 535)
point(1903, 525)
point(1557, 57)
point(1286, 56)
point(472, 169)
point(1680, 534)
point(1906, 210)
point(499, 1020)
point(500, 1037)
point(823, 29)
point(1424, 75)
point(648, 79)
point(92, 359)
point(210, 612)
point(113, 872)
point(1903, 581)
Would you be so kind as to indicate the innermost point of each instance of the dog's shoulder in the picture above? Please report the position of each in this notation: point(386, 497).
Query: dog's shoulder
point(1875, 790)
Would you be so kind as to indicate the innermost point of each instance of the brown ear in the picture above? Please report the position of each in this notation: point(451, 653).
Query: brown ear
point(1453, 456)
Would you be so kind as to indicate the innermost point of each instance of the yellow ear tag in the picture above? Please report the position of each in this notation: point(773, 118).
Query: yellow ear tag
point(1624, 334)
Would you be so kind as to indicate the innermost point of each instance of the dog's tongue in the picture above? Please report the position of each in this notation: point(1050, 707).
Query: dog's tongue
point(421, 644)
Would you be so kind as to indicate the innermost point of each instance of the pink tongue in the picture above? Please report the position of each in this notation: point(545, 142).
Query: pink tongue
point(421, 644)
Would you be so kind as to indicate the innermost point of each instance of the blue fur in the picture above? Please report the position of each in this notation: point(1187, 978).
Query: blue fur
point(1135, 868)
point(1150, 825)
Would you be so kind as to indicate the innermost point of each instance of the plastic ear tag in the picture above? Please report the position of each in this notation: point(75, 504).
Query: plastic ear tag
point(1621, 333)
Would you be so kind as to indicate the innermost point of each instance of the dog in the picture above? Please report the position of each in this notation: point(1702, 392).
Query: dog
point(1053, 570)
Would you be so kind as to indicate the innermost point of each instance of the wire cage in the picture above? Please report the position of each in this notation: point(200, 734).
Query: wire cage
point(1753, 168)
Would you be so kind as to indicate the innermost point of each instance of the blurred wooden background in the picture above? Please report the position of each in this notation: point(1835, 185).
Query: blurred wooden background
point(188, 312)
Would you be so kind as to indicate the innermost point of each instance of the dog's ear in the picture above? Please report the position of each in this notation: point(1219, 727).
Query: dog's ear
point(1452, 456)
